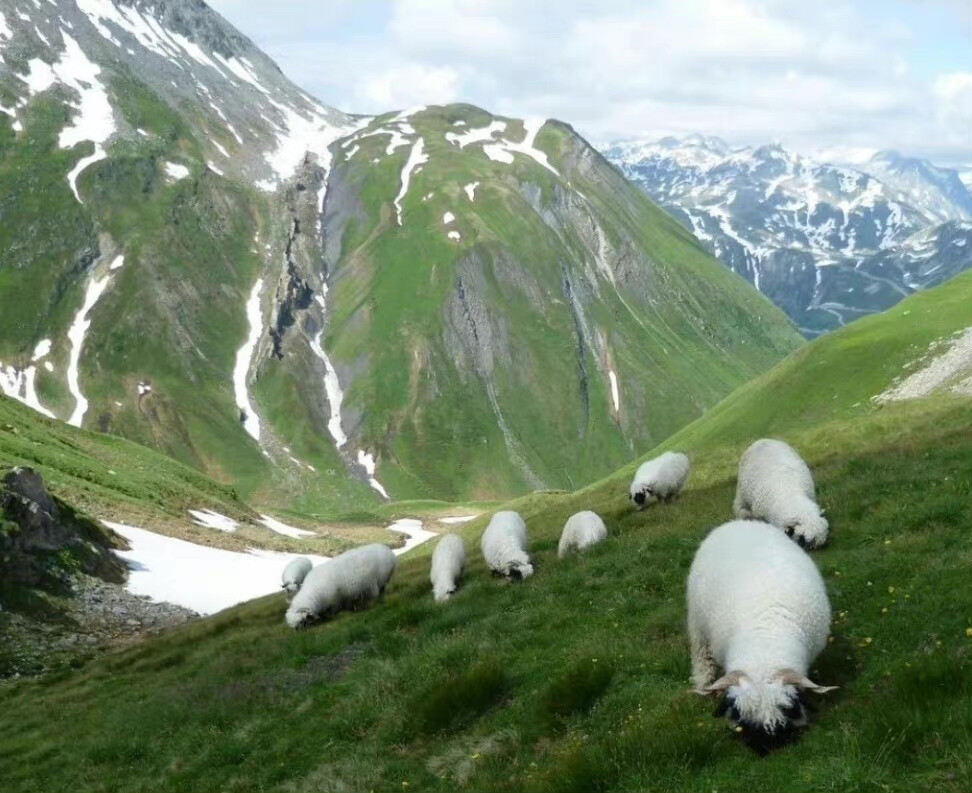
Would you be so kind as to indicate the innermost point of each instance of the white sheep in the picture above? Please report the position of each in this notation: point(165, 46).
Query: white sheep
point(758, 611)
point(582, 530)
point(661, 479)
point(776, 485)
point(347, 581)
point(504, 546)
point(294, 574)
point(448, 561)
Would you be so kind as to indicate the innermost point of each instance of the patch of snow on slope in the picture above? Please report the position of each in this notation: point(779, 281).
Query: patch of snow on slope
point(454, 519)
point(244, 357)
point(176, 172)
point(301, 134)
point(615, 396)
point(42, 350)
point(242, 69)
point(117, 263)
point(476, 135)
point(413, 530)
point(282, 528)
point(448, 217)
point(471, 190)
point(332, 388)
point(94, 120)
point(415, 158)
point(19, 384)
point(455, 235)
point(953, 360)
point(204, 579)
point(367, 461)
point(5, 31)
point(76, 334)
point(213, 520)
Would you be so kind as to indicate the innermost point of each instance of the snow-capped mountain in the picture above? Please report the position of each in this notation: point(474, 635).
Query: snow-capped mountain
point(198, 256)
point(818, 238)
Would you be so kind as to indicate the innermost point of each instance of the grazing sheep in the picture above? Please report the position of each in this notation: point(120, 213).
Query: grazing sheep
point(448, 561)
point(776, 485)
point(758, 611)
point(504, 546)
point(294, 574)
point(661, 479)
point(355, 577)
point(581, 531)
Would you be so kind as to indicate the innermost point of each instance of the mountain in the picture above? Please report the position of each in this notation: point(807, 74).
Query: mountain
point(323, 309)
point(828, 243)
point(577, 678)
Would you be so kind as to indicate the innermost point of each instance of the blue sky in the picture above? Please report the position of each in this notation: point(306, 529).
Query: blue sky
point(841, 77)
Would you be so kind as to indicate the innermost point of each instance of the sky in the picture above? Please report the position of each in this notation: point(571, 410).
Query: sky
point(834, 77)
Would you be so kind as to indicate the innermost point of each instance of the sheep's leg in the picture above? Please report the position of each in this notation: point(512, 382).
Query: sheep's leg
point(740, 507)
point(705, 671)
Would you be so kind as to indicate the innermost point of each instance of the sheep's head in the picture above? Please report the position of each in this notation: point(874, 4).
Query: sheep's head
point(299, 618)
point(808, 529)
point(521, 568)
point(644, 496)
point(766, 713)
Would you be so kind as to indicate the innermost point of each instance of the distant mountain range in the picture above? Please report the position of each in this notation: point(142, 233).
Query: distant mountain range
point(828, 243)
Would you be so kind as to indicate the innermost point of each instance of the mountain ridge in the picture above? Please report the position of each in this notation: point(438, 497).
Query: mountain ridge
point(827, 242)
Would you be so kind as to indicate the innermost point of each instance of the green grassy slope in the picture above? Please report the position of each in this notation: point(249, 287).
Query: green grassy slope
point(576, 679)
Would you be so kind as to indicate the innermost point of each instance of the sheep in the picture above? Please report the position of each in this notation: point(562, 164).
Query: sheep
point(294, 574)
point(448, 561)
point(758, 611)
point(504, 546)
point(354, 578)
point(661, 479)
point(776, 485)
point(582, 530)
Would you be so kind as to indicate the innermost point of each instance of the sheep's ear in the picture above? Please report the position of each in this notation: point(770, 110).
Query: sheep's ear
point(724, 682)
point(789, 677)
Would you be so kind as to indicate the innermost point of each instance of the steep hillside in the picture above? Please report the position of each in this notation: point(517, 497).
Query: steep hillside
point(519, 302)
point(577, 679)
point(828, 243)
point(196, 256)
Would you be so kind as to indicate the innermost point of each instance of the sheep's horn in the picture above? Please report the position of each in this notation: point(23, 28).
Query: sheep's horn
point(790, 677)
point(724, 682)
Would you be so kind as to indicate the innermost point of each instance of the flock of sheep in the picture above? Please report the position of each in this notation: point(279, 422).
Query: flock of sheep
point(758, 610)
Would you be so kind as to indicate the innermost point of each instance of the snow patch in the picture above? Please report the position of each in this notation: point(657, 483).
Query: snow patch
point(455, 236)
point(415, 158)
point(476, 135)
point(282, 528)
point(244, 358)
point(615, 396)
point(413, 530)
point(198, 577)
point(471, 190)
point(367, 461)
point(19, 384)
point(454, 519)
point(448, 217)
point(176, 172)
point(94, 119)
point(117, 263)
point(332, 388)
point(42, 350)
point(76, 334)
point(213, 520)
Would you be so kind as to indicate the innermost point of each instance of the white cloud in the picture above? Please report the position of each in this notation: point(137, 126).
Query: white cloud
point(851, 73)
point(407, 85)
